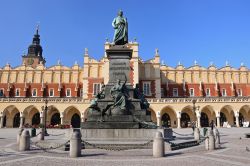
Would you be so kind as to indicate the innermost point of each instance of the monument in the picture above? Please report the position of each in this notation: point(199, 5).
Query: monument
point(119, 110)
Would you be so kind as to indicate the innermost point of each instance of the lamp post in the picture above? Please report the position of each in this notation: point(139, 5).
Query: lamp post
point(197, 113)
point(45, 109)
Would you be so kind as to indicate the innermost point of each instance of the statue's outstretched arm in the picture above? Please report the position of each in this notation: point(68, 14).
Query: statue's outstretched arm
point(114, 24)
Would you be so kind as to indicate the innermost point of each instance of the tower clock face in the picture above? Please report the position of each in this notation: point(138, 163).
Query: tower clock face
point(30, 61)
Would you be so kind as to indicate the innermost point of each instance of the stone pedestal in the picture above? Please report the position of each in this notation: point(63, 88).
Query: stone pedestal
point(124, 134)
point(119, 63)
point(107, 115)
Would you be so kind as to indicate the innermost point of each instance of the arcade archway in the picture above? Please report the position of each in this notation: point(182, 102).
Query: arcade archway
point(168, 117)
point(204, 120)
point(185, 120)
point(55, 119)
point(166, 121)
point(16, 120)
point(36, 119)
point(76, 121)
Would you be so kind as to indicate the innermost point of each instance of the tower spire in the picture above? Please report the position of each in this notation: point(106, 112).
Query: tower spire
point(35, 51)
point(37, 29)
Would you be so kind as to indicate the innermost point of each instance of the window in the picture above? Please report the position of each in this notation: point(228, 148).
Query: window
point(96, 88)
point(51, 92)
point(191, 92)
point(239, 92)
point(68, 92)
point(17, 92)
point(147, 88)
point(81, 92)
point(208, 92)
point(224, 92)
point(34, 92)
point(175, 92)
point(1, 92)
point(162, 92)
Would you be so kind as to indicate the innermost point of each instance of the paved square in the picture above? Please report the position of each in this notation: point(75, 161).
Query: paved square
point(233, 152)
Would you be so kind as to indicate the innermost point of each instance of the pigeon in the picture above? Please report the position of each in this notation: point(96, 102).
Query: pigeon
point(247, 149)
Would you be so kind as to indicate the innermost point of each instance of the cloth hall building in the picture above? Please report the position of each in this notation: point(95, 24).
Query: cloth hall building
point(177, 96)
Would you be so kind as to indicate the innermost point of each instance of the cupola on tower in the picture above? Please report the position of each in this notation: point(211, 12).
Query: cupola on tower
point(35, 52)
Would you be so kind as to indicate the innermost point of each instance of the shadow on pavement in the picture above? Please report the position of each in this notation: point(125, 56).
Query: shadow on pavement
point(89, 155)
point(173, 154)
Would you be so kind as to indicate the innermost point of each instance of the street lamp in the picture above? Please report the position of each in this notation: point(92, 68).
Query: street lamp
point(45, 109)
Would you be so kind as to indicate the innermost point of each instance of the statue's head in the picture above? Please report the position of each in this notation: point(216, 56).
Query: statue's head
point(120, 13)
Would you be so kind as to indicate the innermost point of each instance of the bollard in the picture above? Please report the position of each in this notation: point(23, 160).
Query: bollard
point(158, 145)
point(197, 134)
point(24, 144)
point(41, 134)
point(210, 141)
point(217, 138)
point(18, 136)
point(75, 144)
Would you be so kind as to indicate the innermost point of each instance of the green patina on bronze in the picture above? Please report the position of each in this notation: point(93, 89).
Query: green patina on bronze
point(120, 25)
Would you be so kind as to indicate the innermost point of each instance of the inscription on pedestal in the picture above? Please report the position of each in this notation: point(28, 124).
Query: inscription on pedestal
point(119, 70)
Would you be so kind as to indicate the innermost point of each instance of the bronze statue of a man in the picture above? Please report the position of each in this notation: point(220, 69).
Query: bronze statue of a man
point(120, 25)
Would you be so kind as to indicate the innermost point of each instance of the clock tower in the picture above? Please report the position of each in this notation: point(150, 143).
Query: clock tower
point(35, 52)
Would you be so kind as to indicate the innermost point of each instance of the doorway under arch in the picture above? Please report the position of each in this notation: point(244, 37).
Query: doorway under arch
point(4, 121)
point(166, 121)
point(36, 119)
point(204, 120)
point(223, 118)
point(241, 119)
point(16, 120)
point(76, 121)
point(185, 120)
point(55, 119)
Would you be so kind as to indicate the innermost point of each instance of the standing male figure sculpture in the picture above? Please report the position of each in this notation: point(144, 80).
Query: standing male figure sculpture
point(120, 25)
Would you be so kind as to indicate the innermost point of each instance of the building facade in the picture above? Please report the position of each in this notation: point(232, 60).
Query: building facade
point(177, 96)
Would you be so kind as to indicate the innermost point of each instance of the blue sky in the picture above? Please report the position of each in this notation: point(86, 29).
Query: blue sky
point(183, 30)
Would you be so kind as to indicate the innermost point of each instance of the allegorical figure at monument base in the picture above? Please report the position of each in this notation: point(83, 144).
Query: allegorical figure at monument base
point(119, 95)
point(120, 25)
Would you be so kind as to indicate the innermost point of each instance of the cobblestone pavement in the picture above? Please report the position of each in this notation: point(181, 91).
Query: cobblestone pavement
point(233, 152)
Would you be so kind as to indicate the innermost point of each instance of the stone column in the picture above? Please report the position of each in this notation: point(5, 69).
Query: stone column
point(1, 122)
point(158, 116)
point(198, 116)
point(237, 121)
point(62, 116)
point(21, 122)
point(178, 120)
point(236, 114)
point(82, 117)
point(218, 119)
